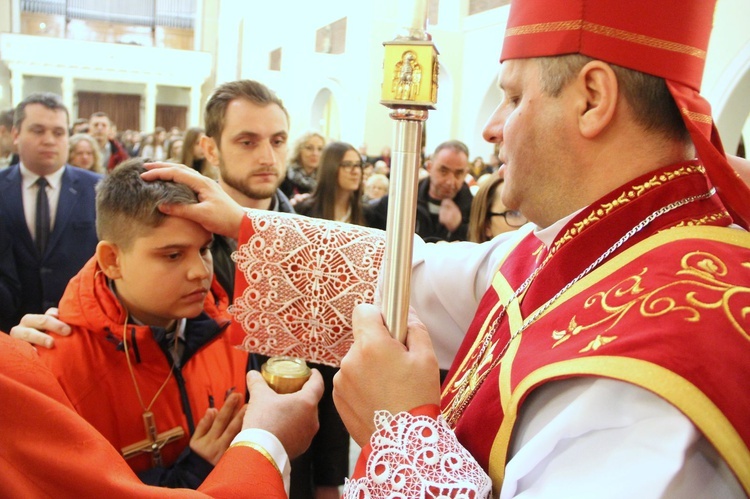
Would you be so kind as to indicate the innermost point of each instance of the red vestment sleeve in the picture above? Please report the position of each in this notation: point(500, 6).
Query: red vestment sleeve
point(48, 450)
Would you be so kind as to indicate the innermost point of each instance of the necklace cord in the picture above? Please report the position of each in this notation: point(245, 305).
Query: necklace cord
point(132, 371)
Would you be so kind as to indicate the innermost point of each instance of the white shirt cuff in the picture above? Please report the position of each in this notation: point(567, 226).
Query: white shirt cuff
point(273, 446)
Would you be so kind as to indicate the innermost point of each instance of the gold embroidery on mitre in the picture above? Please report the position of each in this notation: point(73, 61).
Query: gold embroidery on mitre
point(702, 273)
point(644, 40)
point(530, 29)
point(698, 117)
point(625, 197)
point(619, 34)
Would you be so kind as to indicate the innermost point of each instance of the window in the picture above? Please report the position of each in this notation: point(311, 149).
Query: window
point(274, 60)
point(168, 13)
point(331, 39)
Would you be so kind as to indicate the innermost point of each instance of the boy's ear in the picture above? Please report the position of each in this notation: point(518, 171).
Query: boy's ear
point(108, 257)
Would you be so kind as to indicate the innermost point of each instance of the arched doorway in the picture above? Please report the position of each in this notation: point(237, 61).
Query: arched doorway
point(325, 116)
point(732, 102)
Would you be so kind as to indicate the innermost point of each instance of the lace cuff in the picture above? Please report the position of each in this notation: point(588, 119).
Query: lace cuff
point(298, 281)
point(417, 457)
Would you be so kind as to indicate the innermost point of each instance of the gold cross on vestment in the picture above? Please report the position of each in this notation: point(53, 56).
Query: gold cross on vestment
point(154, 440)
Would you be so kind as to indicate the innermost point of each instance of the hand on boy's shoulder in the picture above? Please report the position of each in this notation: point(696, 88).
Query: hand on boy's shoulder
point(216, 211)
point(36, 328)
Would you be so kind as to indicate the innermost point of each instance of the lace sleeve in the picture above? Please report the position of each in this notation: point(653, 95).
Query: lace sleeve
point(417, 457)
point(298, 281)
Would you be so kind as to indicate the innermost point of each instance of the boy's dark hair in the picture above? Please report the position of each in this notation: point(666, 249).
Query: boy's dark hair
point(126, 204)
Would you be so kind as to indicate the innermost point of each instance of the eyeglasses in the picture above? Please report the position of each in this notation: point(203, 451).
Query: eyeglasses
point(512, 217)
point(349, 165)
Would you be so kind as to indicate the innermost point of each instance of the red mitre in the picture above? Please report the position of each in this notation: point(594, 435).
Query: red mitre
point(664, 38)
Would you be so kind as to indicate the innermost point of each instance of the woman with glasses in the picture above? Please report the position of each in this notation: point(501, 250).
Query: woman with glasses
point(337, 197)
point(302, 172)
point(339, 186)
point(489, 216)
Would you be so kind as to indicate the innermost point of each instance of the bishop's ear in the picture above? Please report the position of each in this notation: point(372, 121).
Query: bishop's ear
point(108, 257)
point(598, 93)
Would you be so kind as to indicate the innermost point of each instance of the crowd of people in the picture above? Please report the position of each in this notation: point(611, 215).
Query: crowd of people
point(578, 325)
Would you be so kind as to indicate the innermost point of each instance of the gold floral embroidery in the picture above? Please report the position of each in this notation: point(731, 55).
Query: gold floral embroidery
point(625, 197)
point(706, 220)
point(700, 284)
point(599, 341)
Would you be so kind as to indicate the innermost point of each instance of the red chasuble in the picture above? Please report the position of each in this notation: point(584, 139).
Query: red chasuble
point(665, 310)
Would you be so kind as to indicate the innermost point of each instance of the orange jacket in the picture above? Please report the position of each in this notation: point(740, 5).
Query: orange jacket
point(91, 366)
point(47, 450)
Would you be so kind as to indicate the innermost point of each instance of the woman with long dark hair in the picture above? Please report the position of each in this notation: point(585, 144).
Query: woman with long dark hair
point(338, 195)
point(193, 155)
point(489, 216)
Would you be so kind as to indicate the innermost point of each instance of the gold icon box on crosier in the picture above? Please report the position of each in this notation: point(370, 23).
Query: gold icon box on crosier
point(410, 72)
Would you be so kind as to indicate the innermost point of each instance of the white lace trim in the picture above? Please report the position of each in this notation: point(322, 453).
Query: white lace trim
point(305, 276)
point(418, 457)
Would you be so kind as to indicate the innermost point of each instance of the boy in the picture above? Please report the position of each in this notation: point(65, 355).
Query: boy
point(150, 356)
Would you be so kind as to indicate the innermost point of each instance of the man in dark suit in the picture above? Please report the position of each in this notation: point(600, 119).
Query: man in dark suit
point(47, 209)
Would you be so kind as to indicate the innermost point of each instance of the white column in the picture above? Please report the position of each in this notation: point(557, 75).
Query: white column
point(15, 22)
point(227, 53)
point(68, 94)
point(198, 26)
point(195, 111)
point(16, 86)
point(150, 122)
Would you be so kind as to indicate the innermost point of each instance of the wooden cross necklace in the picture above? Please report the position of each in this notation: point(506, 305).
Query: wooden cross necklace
point(154, 440)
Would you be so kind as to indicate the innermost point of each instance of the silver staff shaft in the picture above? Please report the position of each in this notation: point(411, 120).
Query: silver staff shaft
point(402, 204)
point(409, 89)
